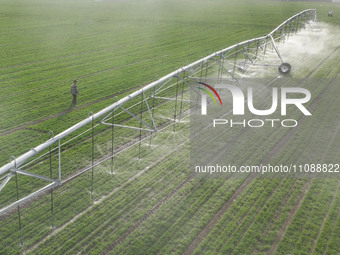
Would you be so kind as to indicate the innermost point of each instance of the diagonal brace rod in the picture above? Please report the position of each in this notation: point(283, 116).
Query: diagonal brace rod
point(8, 177)
point(134, 116)
point(34, 175)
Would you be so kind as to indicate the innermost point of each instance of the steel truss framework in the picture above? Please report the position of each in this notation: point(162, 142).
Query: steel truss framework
point(229, 63)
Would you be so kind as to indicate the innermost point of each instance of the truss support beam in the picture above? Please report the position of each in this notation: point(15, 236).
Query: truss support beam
point(232, 75)
point(150, 129)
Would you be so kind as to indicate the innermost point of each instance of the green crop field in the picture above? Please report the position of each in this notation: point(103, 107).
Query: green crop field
point(147, 200)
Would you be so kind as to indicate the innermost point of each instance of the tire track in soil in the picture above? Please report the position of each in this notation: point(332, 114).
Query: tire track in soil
point(203, 234)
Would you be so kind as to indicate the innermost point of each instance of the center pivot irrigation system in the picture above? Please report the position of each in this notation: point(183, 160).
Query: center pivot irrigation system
point(138, 112)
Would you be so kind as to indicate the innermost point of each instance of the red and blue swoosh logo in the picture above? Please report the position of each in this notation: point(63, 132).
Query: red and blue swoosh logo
point(209, 93)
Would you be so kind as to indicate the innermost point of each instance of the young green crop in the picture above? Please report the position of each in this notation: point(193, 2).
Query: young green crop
point(113, 48)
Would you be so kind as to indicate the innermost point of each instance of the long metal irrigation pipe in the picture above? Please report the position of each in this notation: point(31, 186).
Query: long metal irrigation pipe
point(31, 153)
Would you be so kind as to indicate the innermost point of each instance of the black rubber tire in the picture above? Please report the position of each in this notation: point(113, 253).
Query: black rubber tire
point(285, 68)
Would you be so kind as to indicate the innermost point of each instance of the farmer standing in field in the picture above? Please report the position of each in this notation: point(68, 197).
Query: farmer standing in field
point(74, 92)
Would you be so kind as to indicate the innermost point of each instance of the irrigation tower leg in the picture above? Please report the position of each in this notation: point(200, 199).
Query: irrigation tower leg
point(175, 113)
point(300, 25)
point(273, 44)
point(257, 48)
point(219, 72)
point(235, 59)
point(181, 106)
point(112, 142)
point(245, 59)
point(280, 33)
point(198, 95)
point(152, 111)
point(19, 216)
point(140, 125)
point(206, 69)
point(275, 48)
point(289, 29)
point(50, 156)
point(92, 154)
point(59, 161)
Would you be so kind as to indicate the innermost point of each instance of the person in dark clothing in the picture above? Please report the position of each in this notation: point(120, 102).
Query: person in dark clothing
point(74, 92)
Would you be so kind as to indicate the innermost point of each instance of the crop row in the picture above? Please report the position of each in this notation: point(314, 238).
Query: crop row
point(305, 226)
point(329, 238)
point(176, 223)
point(230, 228)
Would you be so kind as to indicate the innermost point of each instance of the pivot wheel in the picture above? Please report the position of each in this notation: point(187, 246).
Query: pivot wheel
point(285, 68)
